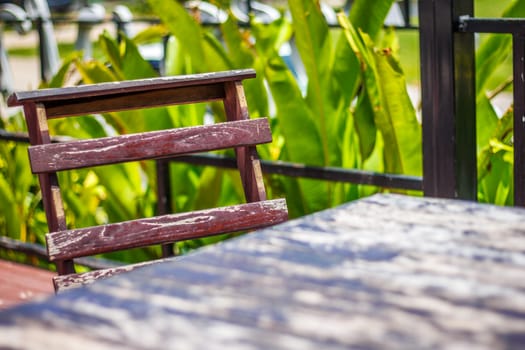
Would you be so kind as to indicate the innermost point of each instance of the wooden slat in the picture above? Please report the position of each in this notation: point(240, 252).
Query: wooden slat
point(64, 282)
point(134, 100)
point(157, 144)
point(117, 88)
point(164, 229)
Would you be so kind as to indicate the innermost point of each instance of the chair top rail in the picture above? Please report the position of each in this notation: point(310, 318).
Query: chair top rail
point(116, 88)
point(164, 229)
point(149, 145)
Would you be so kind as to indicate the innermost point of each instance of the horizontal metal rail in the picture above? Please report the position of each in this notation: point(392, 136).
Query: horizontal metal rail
point(40, 252)
point(362, 177)
point(469, 24)
point(391, 181)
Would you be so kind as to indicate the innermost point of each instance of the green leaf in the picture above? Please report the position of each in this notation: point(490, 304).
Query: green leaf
point(345, 71)
point(218, 59)
point(237, 43)
point(365, 125)
point(173, 57)
point(209, 189)
point(93, 72)
point(394, 115)
point(184, 27)
point(314, 45)
point(153, 33)
point(134, 66)
point(496, 186)
point(369, 15)
point(60, 78)
point(111, 50)
point(302, 143)
point(486, 121)
point(123, 185)
point(502, 133)
point(8, 209)
point(295, 117)
point(397, 121)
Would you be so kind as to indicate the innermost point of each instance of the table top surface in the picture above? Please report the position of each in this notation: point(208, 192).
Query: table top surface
point(387, 271)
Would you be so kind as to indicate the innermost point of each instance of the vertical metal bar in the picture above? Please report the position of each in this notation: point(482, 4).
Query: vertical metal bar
point(164, 197)
point(519, 118)
point(449, 152)
point(437, 110)
point(465, 104)
point(406, 12)
point(249, 8)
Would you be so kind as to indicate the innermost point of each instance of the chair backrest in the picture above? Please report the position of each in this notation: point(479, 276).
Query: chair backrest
point(238, 132)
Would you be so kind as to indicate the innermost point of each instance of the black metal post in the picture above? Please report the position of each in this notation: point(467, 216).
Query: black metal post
point(519, 118)
point(448, 100)
point(164, 198)
point(407, 13)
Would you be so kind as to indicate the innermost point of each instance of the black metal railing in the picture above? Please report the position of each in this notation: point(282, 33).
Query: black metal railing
point(447, 29)
point(515, 27)
point(447, 76)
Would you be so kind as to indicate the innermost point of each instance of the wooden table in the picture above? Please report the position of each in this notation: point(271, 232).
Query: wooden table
point(385, 272)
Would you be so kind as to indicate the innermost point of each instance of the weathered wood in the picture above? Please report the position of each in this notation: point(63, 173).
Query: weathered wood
point(38, 131)
point(164, 229)
point(133, 94)
point(238, 132)
point(148, 145)
point(20, 98)
point(62, 283)
point(385, 272)
point(247, 161)
point(133, 100)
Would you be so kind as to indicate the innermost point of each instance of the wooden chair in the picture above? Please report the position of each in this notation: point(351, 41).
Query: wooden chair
point(238, 132)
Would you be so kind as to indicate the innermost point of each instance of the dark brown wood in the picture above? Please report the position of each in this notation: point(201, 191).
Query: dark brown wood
point(149, 145)
point(117, 96)
point(133, 100)
point(75, 280)
point(163, 229)
point(247, 161)
point(102, 90)
point(238, 132)
point(38, 131)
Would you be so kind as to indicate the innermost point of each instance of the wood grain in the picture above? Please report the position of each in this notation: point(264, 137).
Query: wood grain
point(148, 145)
point(239, 132)
point(163, 229)
point(385, 272)
point(19, 98)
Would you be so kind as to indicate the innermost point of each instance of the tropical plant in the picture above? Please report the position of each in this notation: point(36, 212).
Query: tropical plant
point(341, 118)
point(352, 110)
